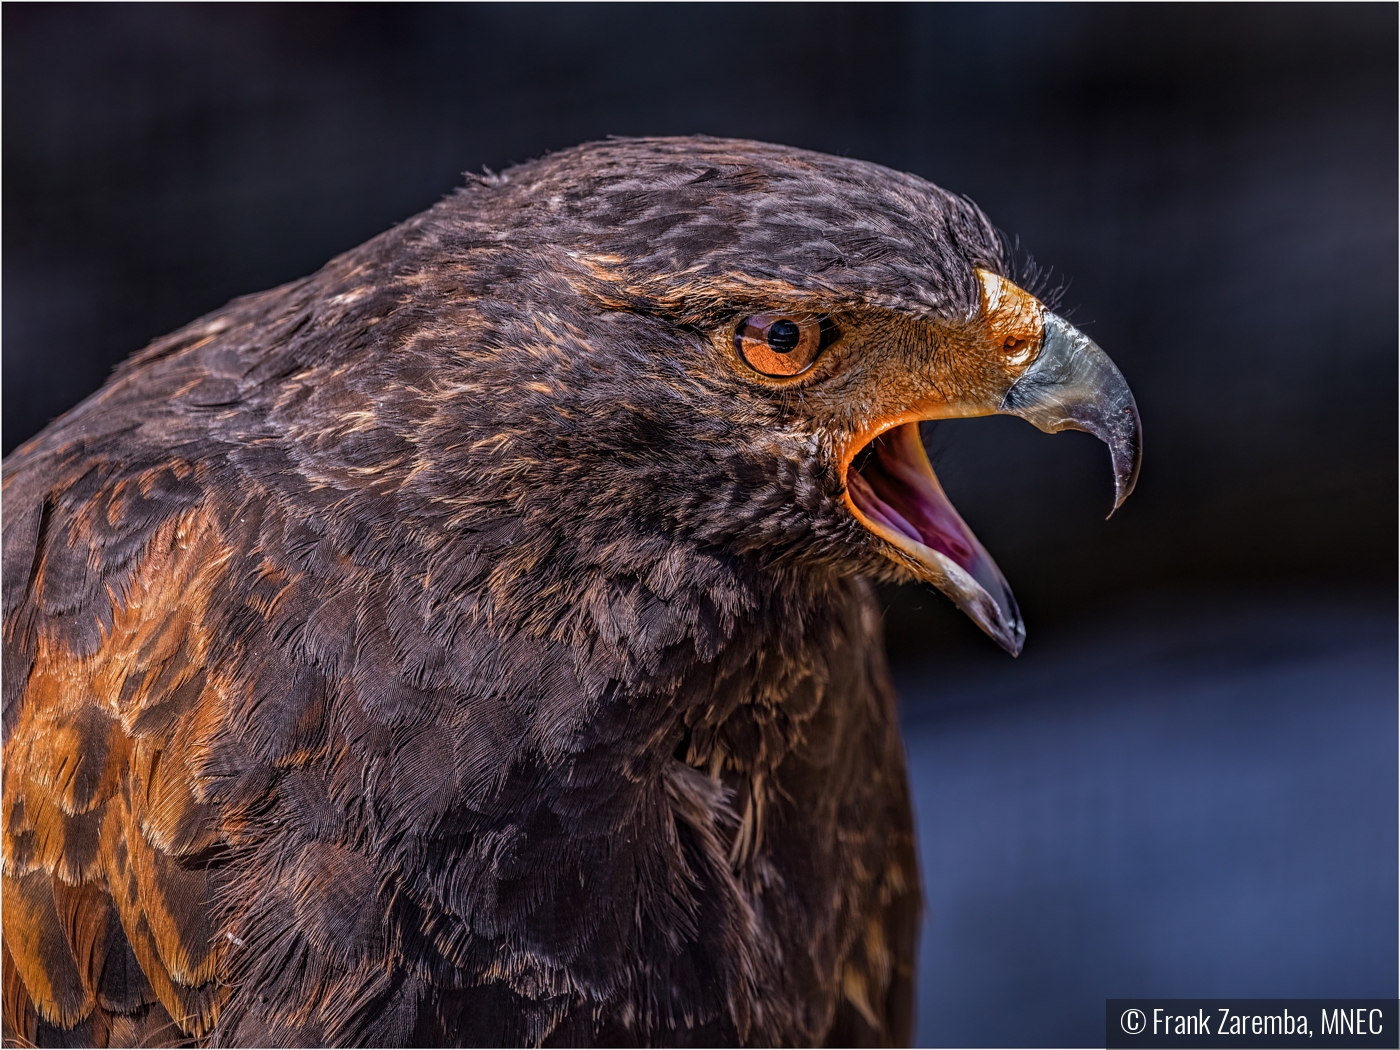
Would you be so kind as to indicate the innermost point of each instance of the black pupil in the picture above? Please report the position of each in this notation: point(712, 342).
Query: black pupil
point(783, 337)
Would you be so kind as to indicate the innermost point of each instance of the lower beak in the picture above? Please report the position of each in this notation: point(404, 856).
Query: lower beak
point(897, 496)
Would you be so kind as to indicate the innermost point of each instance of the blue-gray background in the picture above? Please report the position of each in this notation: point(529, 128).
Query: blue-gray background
point(1187, 784)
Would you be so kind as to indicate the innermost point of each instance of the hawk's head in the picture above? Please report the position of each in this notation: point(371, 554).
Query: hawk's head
point(724, 342)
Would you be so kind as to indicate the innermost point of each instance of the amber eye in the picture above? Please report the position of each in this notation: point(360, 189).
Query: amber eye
point(779, 344)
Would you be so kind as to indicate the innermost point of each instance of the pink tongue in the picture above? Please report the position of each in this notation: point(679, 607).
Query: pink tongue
point(895, 488)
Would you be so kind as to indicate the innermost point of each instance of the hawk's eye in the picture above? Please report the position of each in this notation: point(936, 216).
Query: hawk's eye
point(780, 344)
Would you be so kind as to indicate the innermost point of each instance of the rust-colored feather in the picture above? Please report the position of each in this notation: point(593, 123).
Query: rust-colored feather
point(42, 957)
point(97, 804)
point(20, 1019)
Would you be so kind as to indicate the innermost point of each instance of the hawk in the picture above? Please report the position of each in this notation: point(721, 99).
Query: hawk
point(474, 641)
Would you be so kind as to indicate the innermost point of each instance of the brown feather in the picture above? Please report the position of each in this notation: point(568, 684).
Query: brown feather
point(20, 1019)
point(42, 957)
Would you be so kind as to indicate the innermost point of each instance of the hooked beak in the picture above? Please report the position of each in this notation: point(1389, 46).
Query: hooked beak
point(1072, 385)
point(893, 491)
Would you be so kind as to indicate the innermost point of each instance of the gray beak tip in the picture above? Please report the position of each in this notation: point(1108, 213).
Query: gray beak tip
point(1072, 385)
point(1125, 446)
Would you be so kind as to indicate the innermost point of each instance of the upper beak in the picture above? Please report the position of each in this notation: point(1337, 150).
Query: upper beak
point(1072, 385)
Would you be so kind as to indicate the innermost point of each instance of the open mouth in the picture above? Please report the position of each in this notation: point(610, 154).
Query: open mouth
point(895, 494)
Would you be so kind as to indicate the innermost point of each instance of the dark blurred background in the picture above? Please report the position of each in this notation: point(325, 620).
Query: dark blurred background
point(1187, 784)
